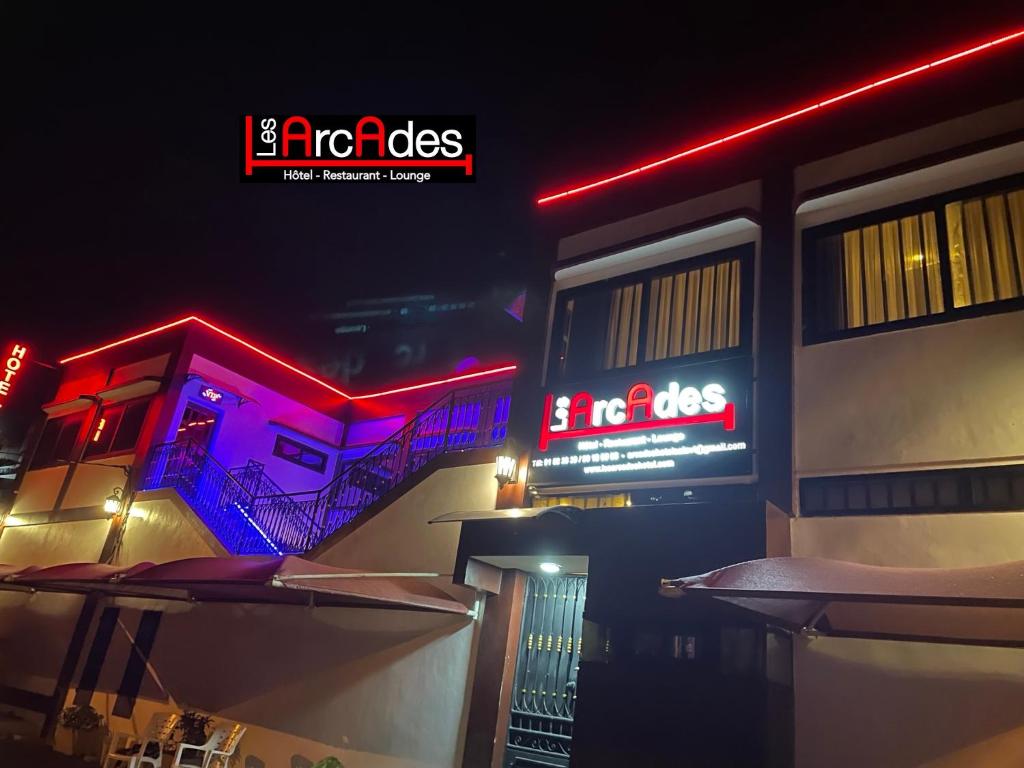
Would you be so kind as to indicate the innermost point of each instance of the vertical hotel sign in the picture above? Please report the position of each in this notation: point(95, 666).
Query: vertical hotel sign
point(358, 148)
point(687, 422)
point(13, 362)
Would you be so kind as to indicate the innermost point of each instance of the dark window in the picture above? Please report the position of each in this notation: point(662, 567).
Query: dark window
point(693, 307)
point(297, 453)
point(58, 440)
point(952, 490)
point(117, 428)
point(934, 259)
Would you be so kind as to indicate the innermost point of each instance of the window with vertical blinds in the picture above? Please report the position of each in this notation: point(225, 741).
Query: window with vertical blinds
point(952, 252)
point(696, 310)
point(660, 314)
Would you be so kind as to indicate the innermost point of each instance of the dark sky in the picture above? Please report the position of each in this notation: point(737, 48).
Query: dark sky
point(121, 200)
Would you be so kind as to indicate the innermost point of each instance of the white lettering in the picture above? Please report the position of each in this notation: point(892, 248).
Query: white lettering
point(598, 414)
point(666, 402)
point(714, 398)
point(453, 139)
point(334, 138)
point(615, 412)
point(407, 134)
point(689, 401)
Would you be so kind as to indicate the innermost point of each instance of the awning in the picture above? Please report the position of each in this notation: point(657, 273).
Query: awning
point(564, 510)
point(285, 580)
point(80, 403)
point(979, 606)
point(147, 385)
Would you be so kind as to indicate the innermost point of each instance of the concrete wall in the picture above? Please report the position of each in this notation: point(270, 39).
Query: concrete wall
point(376, 688)
point(944, 394)
point(895, 705)
point(400, 537)
point(35, 628)
point(922, 704)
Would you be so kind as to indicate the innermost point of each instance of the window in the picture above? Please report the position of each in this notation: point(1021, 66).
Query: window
point(297, 453)
point(663, 314)
point(117, 428)
point(919, 263)
point(955, 490)
point(58, 440)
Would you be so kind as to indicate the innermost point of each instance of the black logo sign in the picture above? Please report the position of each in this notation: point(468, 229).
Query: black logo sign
point(358, 148)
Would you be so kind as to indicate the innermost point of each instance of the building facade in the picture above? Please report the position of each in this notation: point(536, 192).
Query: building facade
point(802, 340)
point(186, 443)
point(805, 345)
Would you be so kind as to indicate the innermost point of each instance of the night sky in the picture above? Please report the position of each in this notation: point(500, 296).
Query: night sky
point(121, 199)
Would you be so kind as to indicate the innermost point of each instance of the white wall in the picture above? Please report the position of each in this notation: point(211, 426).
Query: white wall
point(921, 704)
point(890, 704)
point(937, 395)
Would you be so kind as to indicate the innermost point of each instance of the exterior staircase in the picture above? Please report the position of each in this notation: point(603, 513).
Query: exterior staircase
point(250, 514)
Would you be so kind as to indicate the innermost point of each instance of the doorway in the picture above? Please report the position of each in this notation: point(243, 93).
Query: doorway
point(197, 424)
point(547, 665)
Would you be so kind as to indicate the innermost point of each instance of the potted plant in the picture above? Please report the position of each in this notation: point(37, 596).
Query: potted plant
point(194, 727)
point(87, 731)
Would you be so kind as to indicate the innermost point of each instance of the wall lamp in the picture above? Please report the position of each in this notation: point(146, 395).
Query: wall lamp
point(506, 470)
point(112, 504)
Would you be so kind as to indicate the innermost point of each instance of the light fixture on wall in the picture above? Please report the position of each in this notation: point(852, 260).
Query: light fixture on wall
point(112, 504)
point(548, 567)
point(506, 470)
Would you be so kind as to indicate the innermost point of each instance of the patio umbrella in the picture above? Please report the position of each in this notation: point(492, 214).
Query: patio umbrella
point(978, 606)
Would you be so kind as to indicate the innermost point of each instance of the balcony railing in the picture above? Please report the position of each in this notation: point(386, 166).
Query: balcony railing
point(250, 514)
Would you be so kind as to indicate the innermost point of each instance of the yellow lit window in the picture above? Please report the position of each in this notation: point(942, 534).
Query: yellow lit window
point(696, 310)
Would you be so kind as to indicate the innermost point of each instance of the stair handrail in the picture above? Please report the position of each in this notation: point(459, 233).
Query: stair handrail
point(188, 441)
point(389, 439)
point(249, 495)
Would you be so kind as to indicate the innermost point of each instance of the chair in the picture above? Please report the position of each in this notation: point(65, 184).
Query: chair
point(147, 749)
point(220, 746)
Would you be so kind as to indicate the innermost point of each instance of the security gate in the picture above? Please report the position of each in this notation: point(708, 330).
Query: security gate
point(544, 690)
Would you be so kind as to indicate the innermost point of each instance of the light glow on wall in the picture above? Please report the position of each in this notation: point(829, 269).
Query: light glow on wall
point(784, 117)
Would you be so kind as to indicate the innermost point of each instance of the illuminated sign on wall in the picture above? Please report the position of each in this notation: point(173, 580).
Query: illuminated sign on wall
point(686, 422)
point(12, 366)
point(211, 394)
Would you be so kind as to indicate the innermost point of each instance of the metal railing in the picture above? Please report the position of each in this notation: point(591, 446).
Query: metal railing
point(224, 504)
point(249, 513)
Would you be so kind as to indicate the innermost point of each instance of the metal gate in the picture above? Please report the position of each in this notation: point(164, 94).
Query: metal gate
point(544, 690)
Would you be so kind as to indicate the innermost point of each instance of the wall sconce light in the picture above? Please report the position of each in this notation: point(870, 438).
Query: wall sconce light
point(506, 470)
point(112, 504)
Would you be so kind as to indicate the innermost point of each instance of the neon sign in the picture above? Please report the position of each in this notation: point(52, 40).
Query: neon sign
point(211, 394)
point(690, 422)
point(12, 366)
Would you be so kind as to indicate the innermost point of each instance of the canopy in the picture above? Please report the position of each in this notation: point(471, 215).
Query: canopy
point(804, 594)
point(258, 579)
point(515, 513)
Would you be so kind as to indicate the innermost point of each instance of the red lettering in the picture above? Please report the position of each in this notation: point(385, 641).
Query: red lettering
point(582, 404)
point(378, 136)
point(640, 396)
point(305, 135)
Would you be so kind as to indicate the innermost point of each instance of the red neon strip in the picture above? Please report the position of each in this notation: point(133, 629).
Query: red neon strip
point(283, 363)
point(826, 102)
point(451, 380)
point(727, 417)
